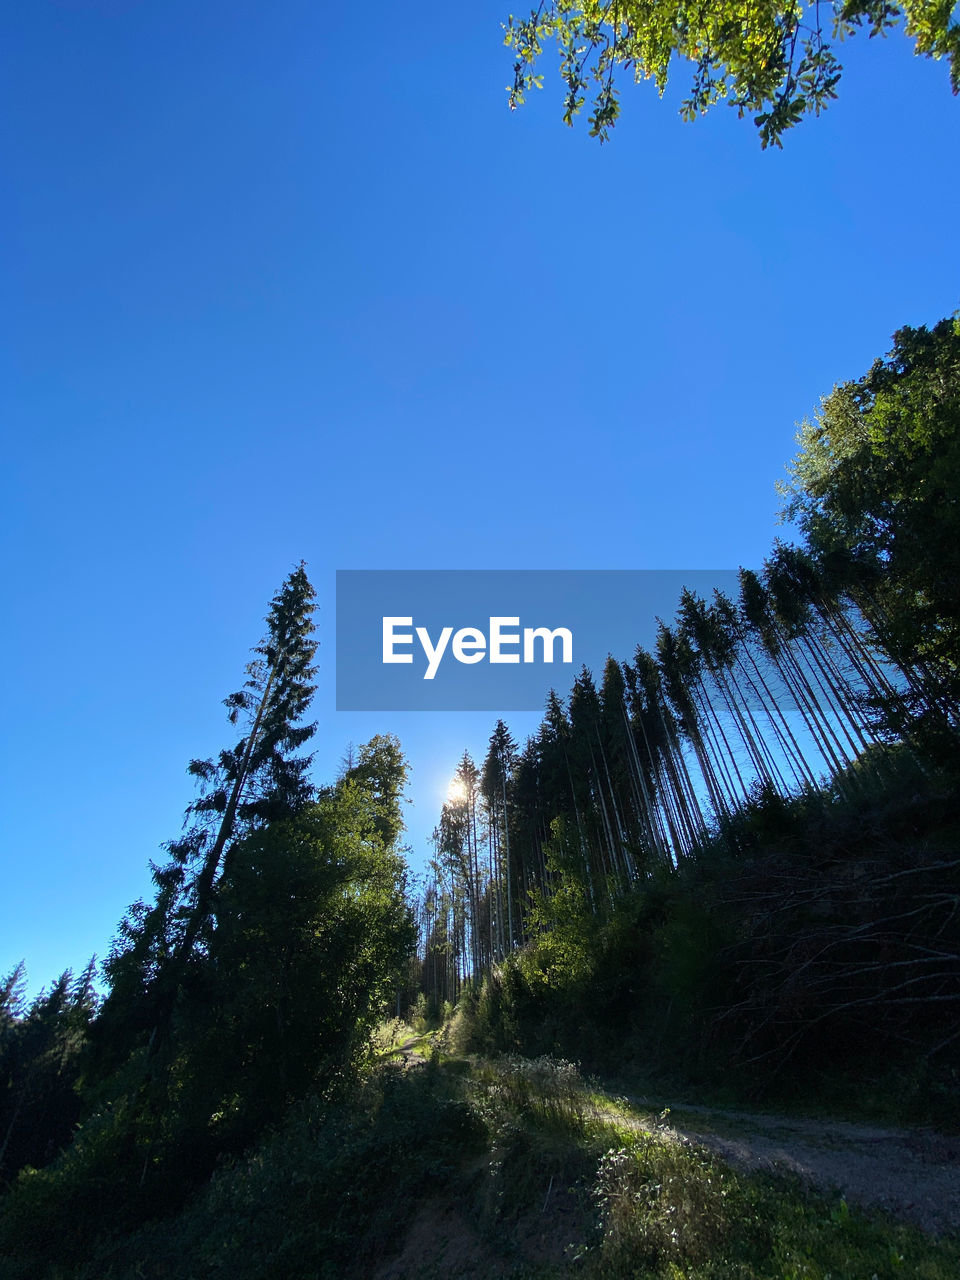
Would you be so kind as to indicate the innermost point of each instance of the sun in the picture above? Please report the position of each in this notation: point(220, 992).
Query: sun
point(456, 791)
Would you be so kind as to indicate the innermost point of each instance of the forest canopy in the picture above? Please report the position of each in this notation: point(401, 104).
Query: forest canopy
point(876, 482)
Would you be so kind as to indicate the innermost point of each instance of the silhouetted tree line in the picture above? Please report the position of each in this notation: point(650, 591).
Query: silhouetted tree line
point(831, 678)
point(253, 979)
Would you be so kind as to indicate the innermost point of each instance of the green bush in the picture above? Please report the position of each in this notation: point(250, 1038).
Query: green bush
point(662, 1204)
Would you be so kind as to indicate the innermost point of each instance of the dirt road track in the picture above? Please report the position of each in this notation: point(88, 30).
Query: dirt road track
point(912, 1174)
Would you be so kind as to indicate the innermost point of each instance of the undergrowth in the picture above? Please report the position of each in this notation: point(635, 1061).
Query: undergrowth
point(542, 1173)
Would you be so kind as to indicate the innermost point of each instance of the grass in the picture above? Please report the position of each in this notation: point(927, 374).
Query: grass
point(665, 1209)
point(891, 1096)
point(500, 1168)
point(395, 1038)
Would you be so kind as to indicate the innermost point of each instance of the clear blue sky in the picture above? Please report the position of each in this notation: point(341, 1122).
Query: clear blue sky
point(290, 281)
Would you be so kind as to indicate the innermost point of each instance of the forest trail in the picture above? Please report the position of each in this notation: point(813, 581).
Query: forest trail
point(912, 1174)
point(407, 1050)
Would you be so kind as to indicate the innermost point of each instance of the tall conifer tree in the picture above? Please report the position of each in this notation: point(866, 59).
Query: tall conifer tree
point(259, 780)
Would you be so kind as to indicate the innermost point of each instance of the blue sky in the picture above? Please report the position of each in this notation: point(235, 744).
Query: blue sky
point(288, 283)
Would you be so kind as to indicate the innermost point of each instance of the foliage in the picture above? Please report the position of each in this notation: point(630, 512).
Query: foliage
point(41, 1066)
point(662, 1203)
point(507, 1155)
point(669, 1210)
point(159, 949)
point(736, 852)
point(279, 930)
point(331, 1187)
point(874, 489)
point(771, 61)
point(816, 933)
point(381, 770)
point(560, 921)
point(312, 935)
point(547, 1090)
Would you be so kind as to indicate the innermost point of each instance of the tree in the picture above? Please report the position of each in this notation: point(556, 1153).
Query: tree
point(874, 489)
point(312, 935)
point(380, 768)
point(497, 770)
point(458, 848)
point(41, 1056)
point(261, 779)
point(771, 61)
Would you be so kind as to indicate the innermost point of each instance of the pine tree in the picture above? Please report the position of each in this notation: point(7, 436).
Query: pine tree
point(312, 934)
point(497, 770)
point(259, 780)
point(41, 1057)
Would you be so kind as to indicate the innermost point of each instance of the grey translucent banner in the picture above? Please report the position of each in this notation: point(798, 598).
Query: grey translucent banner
point(494, 639)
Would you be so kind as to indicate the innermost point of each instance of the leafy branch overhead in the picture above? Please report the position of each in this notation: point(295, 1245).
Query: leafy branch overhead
point(771, 59)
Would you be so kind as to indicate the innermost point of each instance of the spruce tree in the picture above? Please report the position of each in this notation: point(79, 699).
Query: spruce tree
point(259, 780)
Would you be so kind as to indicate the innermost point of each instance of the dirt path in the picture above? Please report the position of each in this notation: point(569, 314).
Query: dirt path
point(408, 1051)
point(914, 1174)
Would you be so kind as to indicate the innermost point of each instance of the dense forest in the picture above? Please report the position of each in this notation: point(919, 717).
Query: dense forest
point(741, 848)
point(254, 979)
point(731, 861)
